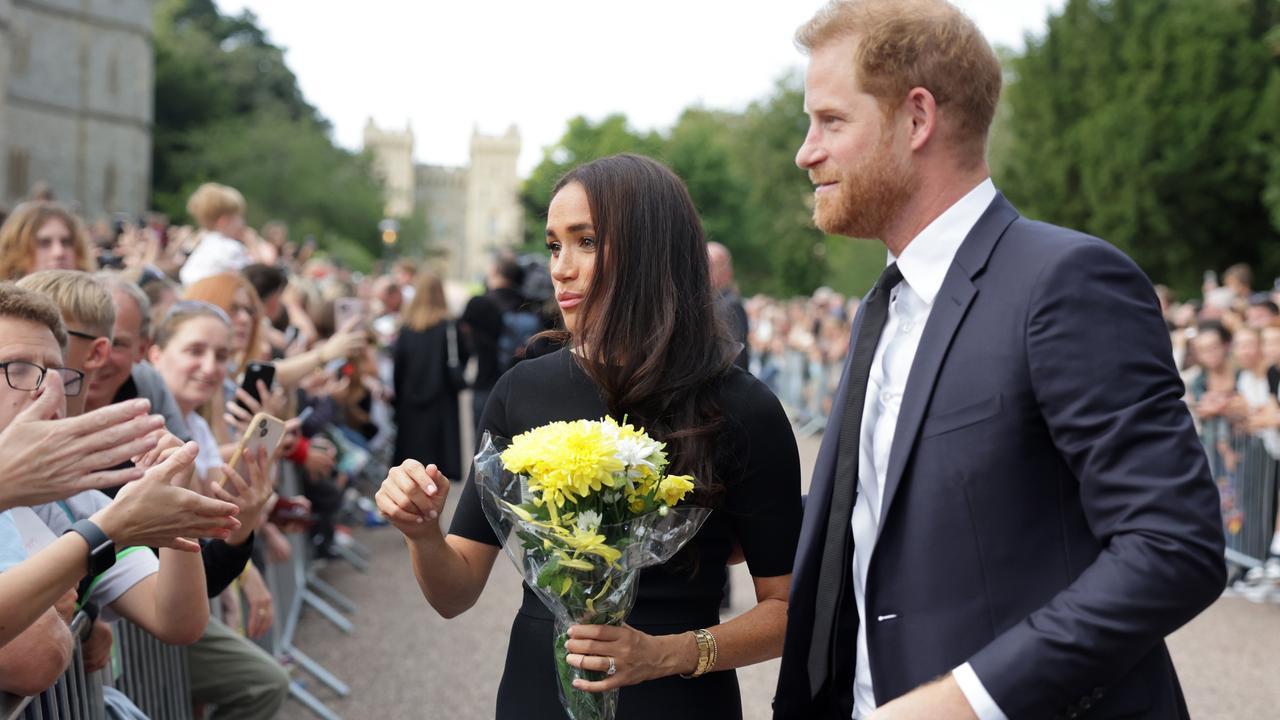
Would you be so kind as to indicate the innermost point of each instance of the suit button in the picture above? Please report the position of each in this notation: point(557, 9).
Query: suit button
point(1073, 714)
point(1086, 703)
point(1097, 693)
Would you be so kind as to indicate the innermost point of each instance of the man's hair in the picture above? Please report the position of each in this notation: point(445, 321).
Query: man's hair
point(23, 304)
point(508, 268)
point(266, 279)
point(1217, 328)
point(1241, 272)
point(212, 202)
point(904, 44)
point(114, 282)
point(79, 296)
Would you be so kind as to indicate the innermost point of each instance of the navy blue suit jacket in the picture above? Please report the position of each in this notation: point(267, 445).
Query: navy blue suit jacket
point(1048, 510)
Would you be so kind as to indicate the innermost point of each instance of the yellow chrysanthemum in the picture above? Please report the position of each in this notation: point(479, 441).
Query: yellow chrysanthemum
point(673, 488)
point(564, 460)
point(590, 542)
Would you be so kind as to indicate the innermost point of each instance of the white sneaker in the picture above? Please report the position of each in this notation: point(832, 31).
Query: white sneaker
point(1271, 570)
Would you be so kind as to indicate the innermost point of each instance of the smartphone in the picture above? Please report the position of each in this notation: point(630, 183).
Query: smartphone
point(264, 432)
point(345, 309)
point(266, 372)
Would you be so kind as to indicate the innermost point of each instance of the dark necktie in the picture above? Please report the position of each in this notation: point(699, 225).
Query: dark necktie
point(833, 576)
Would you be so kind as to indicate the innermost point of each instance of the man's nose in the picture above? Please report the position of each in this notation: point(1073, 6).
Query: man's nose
point(810, 153)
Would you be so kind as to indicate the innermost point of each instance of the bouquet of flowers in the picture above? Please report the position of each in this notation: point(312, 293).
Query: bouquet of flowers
point(581, 508)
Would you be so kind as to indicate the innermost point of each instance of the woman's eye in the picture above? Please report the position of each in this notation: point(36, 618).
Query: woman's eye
point(553, 248)
point(588, 242)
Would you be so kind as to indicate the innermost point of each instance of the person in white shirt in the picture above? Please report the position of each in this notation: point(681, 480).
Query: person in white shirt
point(1011, 508)
point(219, 210)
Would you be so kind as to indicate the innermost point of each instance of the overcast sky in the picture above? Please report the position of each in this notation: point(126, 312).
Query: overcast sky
point(444, 67)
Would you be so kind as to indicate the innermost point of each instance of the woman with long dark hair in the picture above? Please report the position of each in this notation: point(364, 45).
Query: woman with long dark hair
point(641, 340)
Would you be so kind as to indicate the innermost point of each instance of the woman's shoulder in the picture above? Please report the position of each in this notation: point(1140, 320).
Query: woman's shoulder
point(740, 392)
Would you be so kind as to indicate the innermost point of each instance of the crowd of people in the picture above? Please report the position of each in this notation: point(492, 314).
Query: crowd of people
point(136, 356)
point(1226, 344)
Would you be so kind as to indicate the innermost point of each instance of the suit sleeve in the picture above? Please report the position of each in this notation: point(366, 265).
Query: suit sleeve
point(1102, 371)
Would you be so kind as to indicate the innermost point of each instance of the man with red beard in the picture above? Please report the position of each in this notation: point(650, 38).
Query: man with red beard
point(1011, 508)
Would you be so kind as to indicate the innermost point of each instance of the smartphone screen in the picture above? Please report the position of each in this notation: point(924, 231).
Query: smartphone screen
point(266, 372)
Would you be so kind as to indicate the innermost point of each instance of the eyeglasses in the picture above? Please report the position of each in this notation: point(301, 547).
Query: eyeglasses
point(27, 377)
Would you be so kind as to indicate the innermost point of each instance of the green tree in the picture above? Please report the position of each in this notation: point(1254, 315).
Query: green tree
point(228, 109)
point(1145, 122)
point(582, 142)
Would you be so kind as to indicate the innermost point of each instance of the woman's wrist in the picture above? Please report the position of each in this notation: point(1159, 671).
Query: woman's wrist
point(681, 656)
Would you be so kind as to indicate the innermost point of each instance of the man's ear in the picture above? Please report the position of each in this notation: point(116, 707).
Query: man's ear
point(98, 355)
point(922, 108)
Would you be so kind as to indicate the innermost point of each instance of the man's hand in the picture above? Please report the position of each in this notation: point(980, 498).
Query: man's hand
point(152, 512)
point(939, 700)
point(66, 605)
point(97, 651)
point(47, 457)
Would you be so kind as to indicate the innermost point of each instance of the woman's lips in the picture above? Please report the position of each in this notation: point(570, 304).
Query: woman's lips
point(568, 300)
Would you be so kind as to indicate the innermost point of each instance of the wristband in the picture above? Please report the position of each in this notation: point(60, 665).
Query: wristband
point(102, 551)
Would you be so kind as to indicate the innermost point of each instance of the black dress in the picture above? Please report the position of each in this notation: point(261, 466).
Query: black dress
point(426, 404)
point(760, 509)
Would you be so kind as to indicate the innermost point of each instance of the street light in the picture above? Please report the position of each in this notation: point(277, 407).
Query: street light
point(390, 231)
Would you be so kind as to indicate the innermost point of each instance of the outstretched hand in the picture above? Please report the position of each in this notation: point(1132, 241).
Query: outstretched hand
point(48, 457)
point(154, 512)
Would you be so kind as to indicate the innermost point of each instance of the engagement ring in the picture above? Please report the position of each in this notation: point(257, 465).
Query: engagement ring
point(613, 668)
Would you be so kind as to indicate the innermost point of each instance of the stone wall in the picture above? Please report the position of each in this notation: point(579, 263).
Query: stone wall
point(78, 102)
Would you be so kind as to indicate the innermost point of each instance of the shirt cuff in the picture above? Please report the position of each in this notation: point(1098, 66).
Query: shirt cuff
point(979, 699)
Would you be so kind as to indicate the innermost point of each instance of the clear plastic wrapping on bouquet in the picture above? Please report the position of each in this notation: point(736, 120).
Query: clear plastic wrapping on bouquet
point(601, 595)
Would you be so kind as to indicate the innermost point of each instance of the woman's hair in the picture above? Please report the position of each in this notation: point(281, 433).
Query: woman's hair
point(654, 344)
point(221, 290)
point(18, 238)
point(212, 202)
point(428, 306)
point(183, 312)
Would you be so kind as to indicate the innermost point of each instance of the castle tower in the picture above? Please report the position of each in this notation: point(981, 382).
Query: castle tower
point(494, 219)
point(392, 152)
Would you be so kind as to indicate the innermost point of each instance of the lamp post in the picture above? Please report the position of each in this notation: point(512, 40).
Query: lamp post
point(390, 229)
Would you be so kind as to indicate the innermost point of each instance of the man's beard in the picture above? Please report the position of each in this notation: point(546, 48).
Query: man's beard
point(867, 198)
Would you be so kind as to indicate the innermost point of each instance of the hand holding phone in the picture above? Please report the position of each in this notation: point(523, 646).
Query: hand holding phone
point(257, 371)
point(264, 433)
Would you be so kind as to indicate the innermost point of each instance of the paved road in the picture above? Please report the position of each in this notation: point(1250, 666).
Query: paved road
point(403, 661)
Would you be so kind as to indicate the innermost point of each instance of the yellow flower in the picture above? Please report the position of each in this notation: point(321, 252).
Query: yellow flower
point(673, 488)
point(564, 461)
point(589, 542)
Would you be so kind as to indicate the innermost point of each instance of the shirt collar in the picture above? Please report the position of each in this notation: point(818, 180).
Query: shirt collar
point(925, 261)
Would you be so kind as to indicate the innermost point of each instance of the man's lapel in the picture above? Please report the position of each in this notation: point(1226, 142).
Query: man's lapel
point(949, 309)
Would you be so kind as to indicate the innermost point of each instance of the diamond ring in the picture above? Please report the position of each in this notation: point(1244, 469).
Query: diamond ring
point(613, 668)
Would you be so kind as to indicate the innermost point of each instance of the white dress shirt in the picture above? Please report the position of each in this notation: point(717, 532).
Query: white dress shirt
point(923, 264)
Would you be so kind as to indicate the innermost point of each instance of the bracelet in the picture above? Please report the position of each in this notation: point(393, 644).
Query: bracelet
point(708, 653)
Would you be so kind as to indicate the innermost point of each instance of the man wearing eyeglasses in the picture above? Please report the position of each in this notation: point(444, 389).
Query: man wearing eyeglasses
point(46, 457)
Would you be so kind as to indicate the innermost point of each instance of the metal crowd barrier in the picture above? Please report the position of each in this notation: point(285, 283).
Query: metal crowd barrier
point(1246, 474)
point(153, 675)
point(802, 384)
point(294, 586)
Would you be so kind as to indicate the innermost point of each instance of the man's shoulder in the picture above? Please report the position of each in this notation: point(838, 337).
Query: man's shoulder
point(1035, 245)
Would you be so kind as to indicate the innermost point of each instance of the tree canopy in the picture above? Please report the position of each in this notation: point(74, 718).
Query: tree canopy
point(229, 110)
